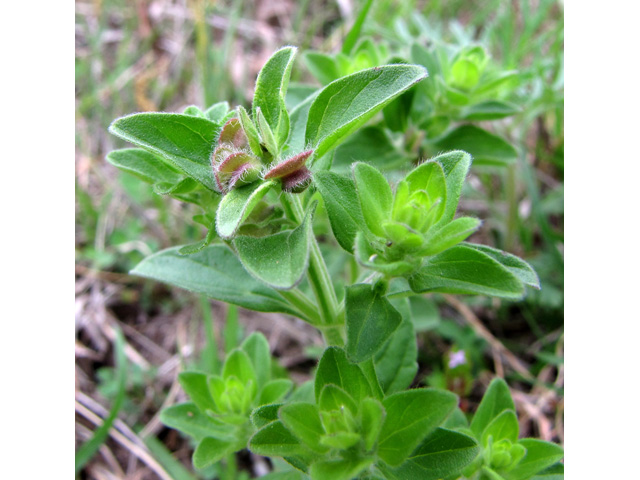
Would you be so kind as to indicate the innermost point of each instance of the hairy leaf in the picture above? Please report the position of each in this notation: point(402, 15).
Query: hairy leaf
point(185, 141)
point(370, 320)
point(279, 260)
point(346, 104)
point(217, 273)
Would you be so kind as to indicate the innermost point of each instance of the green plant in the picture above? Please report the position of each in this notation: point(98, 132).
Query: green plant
point(263, 179)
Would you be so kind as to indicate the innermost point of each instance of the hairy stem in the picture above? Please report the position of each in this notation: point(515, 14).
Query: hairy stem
point(319, 278)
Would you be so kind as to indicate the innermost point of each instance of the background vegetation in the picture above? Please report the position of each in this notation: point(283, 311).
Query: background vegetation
point(165, 55)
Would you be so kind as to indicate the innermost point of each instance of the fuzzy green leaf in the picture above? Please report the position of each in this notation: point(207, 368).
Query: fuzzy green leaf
point(257, 348)
point(449, 235)
point(303, 420)
point(195, 385)
point(496, 400)
point(144, 165)
point(343, 469)
point(189, 419)
point(442, 454)
point(183, 140)
point(270, 92)
point(333, 397)
point(237, 205)
point(336, 369)
point(238, 364)
point(374, 193)
point(411, 416)
point(343, 207)
point(346, 104)
point(322, 66)
point(515, 265)
point(489, 110)
point(215, 272)
point(540, 455)
point(279, 260)
point(504, 426)
point(275, 440)
point(372, 415)
point(211, 450)
point(265, 414)
point(370, 320)
point(465, 270)
point(396, 363)
point(485, 148)
point(217, 112)
point(275, 390)
point(455, 166)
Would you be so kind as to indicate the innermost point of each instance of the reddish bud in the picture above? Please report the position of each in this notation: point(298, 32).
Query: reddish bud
point(298, 181)
point(289, 166)
point(233, 134)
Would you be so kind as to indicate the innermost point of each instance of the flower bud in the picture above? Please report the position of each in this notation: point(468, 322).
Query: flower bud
point(292, 172)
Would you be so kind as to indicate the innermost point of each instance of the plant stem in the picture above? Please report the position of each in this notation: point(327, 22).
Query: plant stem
point(319, 278)
point(305, 306)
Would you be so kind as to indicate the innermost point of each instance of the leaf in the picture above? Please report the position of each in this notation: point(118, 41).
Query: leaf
point(396, 363)
point(275, 390)
point(374, 193)
point(265, 414)
point(333, 397)
point(298, 124)
point(193, 111)
point(449, 235)
point(346, 104)
point(196, 386)
point(275, 440)
point(504, 426)
point(368, 257)
point(343, 207)
point(336, 369)
point(371, 145)
point(303, 420)
point(443, 454)
point(489, 110)
point(372, 415)
point(143, 165)
point(270, 91)
point(411, 415)
point(343, 469)
point(250, 131)
point(554, 472)
point(485, 148)
point(515, 265)
point(322, 66)
point(185, 141)
point(215, 272)
point(238, 364)
point(465, 270)
point(540, 455)
point(217, 112)
point(496, 400)
point(237, 205)
point(190, 420)
point(185, 185)
point(354, 34)
point(256, 347)
point(279, 260)
point(429, 177)
point(370, 321)
point(455, 165)
point(210, 450)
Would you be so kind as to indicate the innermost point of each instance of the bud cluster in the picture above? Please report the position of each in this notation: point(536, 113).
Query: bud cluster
point(235, 164)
